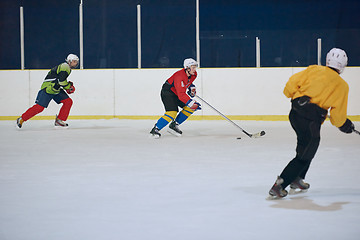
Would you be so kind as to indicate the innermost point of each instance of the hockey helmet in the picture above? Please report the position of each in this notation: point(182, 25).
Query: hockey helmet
point(189, 62)
point(72, 57)
point(336, 58)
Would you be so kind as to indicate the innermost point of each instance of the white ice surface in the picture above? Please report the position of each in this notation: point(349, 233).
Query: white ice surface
point(106, 179)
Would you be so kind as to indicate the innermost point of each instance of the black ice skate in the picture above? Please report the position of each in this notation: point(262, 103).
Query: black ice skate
point(19, 122)
point(174, 129)
point(277, 191)
point(298, 186)
point(155, 132)
point(60, 123)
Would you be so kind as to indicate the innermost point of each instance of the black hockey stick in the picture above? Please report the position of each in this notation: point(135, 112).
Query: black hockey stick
point(255, 135)
point(356, 131)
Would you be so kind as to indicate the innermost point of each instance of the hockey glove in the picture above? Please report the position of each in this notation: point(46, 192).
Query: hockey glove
point(71, 89)
point(348, 126)
point(191, 90)
point(193, 105)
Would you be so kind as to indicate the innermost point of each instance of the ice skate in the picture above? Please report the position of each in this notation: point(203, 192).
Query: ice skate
point(155, 132)
point(298, 186)
point(174, 129)
point(60, 123)
point(277, 191)
point(19, 122)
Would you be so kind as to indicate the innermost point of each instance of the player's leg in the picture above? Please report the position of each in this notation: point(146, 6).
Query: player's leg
point(41, 102)
point(305, 154)
point(306, 120)
point(169, 100)
point(184, 114)
point(308, 139)
point(165, 119)
point(180, 118)
point(67, 102)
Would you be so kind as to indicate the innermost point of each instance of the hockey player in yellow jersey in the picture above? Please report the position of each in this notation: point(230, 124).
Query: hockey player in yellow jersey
point(313, 92)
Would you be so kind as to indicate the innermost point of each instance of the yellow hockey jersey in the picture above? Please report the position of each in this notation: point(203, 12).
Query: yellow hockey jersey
point(326, 89)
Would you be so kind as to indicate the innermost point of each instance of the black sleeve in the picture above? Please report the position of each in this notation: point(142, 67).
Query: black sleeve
point(63, 76)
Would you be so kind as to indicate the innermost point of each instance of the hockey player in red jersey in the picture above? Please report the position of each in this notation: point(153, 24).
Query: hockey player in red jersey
point(53, 89)
point(178, 91)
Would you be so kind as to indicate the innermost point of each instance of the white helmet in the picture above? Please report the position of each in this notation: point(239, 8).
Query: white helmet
point(72, 57)
point(336, 58)
point(189, 62)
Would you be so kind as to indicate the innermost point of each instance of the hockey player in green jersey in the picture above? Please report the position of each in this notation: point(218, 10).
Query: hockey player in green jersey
point(53, 88)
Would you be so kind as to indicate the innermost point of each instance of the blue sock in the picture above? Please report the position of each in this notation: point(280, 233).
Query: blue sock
point(181, 117)
point(161, 123)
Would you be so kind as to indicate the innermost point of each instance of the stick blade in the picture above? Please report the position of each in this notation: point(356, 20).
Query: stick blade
point(257, 135)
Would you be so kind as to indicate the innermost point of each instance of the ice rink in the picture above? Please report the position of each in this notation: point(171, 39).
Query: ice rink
point(106, 179)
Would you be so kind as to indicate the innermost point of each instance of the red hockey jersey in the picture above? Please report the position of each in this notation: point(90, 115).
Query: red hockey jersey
point(179, 82)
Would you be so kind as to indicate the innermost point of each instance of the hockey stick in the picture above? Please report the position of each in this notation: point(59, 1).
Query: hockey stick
point(255, 135)
point(356, 131)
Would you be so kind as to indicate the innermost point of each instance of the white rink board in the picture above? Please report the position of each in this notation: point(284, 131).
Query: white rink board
point(134, 92)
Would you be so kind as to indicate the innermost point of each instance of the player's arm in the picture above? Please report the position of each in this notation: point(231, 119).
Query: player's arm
point(181, 93)
point(338, 111)
point(63, 72)
point(292, 86)
point(191, 90)
point(180, 89)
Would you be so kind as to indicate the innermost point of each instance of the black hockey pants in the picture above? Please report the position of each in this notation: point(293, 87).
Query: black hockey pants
point(306, 120)
point(170, 100)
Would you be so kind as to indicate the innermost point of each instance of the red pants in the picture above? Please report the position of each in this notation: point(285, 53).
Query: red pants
point(36, 109)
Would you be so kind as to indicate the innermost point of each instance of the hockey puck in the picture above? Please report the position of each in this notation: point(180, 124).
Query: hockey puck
point(238, 138)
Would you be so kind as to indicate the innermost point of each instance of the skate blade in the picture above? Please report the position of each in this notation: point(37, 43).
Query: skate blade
point(61, 127)
point(293, 191)
point(174, 132)
point(271, 197)
point(154, 136)
point(17, 127)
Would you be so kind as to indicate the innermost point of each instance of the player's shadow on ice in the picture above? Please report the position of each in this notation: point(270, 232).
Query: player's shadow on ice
point(302, 203)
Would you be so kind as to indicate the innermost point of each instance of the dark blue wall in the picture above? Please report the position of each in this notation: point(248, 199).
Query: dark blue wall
point(288, 31)
point(9, 35)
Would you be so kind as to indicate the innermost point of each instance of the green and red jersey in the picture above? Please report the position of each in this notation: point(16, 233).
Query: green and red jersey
point(56, 78)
